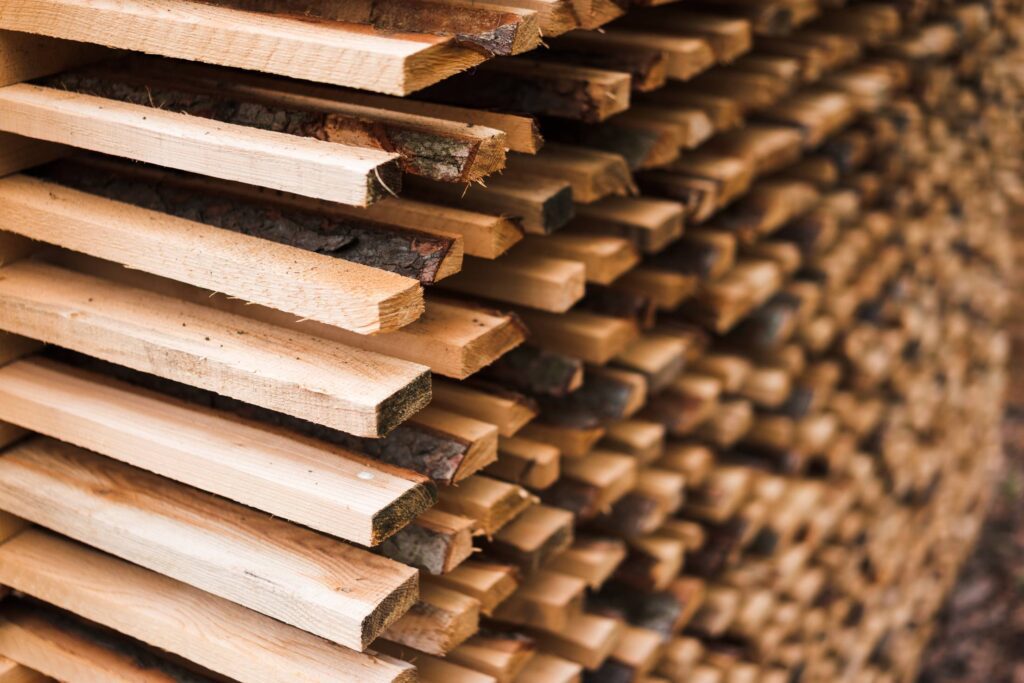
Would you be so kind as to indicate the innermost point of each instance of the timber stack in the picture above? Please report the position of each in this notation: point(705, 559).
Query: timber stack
point(498, 341)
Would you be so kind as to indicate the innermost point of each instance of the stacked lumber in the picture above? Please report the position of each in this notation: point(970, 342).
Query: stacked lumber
point(445, 340)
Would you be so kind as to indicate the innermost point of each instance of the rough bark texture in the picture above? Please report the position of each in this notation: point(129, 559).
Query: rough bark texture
point(698, 196)
point(765, 327)
point(529, 562)
point(632, 143)
point(619, 303)
point(416, 255)
point(419, 547)
point(423, 152)
point(579, 499)
point(488, 32)
point(562, 97)
point(601, 398)
point(691, 257)
point(410, 446)
point(660, 611)
point(631, 516)
point(537, 372)
point(639, 63)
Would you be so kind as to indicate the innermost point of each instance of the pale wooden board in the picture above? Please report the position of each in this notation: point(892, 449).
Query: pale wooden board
point(215, 633)
point(319, 486)
point(305, 166)
point(59, 645)
point(298, 576)
point(452, 338)
point(332, 52)
point(355, 391)
point(332, 290)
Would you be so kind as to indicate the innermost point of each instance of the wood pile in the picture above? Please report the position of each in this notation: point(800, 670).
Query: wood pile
point(498, 341)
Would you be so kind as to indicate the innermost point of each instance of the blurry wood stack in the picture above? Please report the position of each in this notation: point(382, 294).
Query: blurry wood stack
point(461, 341)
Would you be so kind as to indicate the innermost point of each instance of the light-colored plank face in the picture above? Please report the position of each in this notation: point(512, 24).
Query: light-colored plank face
point(319, 584)
point(68, 649)
point(326, 488)
point(314, 168)
point(357, 392)
point(332, 290)
point(216, 633)
point(342, 54)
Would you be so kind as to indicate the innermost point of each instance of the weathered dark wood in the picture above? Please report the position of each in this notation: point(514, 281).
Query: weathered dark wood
point(619, 303)
point(407, 252)
point(604, 396)
point(430, 452)
point(538, 372)
point(647, 67)
point(535, 86)
point(210, 94)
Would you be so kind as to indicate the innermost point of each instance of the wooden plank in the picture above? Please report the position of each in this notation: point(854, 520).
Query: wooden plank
point(687, 55)
point(435, 148)
point(592, 338)
point(533, 538)
point(336, 291)
point(286, 219)
point(173, 616)
point(452, 338)
point(572, 442)
point(490, 584)
point(498, 655)
point(326, 52)
point(728, 37)
point(431, 669)
point(651, 223)
point(504, 409)
point(436, 542)
point(643, 440)
point(542, 205)
point(547, 668)
point(60, 645)
point(587, 640)
point(647, 66)
point(439, 622)
point(605, 258)
point(539, 87)
point(491, 29)
point(592, 484)
point(528, 463)
point(535, 371)
point(592, 559)
point(12, 672)
point(484, 235)
point(314, 168)
point(355, 391)
point(491, 503)
point(521, 132)
point(592, 174)
point(321, 585)
point(555, 16)
point(524, 278)
point(319, 486)
point(545, 599)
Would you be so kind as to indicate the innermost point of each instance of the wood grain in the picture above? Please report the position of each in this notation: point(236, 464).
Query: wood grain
point(311, 581)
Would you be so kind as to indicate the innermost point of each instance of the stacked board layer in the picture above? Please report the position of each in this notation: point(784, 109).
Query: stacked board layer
point(498, 341)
